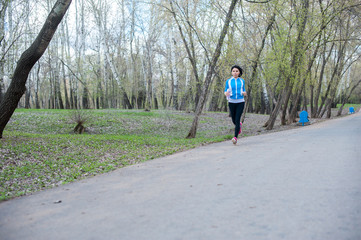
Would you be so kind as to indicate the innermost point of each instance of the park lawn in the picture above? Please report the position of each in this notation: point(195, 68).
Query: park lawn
point(348, 105)
point(39, 149)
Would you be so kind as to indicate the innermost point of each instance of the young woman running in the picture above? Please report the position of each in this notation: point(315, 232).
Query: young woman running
point(235, 92)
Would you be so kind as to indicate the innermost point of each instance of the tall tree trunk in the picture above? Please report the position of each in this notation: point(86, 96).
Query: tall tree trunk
point(286, 100)
point(209, 76)
point(293, 112)
point(190, 51)
point(3, 7)
point(37, 103)
point(27, 60)
point(317, 109)
point(80, 56)
point(149, 49)
point(52, 95)
point(85, 98)
point(133, 69)
point(217, 95)
point(59, 98)
point(272, 119)
point(64, 45)
point(101, 23)
point(27, 94)
point(67, 103)
point(118, 81)
point(1, 81)
point(296, 61)
point(255, 64)
point(149, 76)
point(27, 43)
point(297, 57)
point(341, 61)
point(335, 76)
point(172, 55)
point(346, 98)
point(73, 93)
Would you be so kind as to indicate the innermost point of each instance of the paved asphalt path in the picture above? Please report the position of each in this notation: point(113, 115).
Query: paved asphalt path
point(301, 184)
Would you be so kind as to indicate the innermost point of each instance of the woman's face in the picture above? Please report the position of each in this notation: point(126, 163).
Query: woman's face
point(235, 72)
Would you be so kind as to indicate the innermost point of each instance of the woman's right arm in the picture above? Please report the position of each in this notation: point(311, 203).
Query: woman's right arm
point(226, 92)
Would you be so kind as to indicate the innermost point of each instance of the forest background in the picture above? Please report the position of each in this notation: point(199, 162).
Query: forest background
point(133, 54)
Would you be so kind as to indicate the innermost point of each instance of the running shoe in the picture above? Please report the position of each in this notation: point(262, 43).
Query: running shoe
point(234, 140)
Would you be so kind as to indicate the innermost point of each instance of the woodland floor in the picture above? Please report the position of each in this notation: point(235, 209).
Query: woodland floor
point(38, 152)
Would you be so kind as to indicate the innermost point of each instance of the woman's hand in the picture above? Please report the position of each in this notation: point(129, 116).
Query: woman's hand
point(227, 94)
point(244, 94)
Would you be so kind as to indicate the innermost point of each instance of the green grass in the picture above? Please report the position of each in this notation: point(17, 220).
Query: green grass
point(39, 149)
point(348, 105)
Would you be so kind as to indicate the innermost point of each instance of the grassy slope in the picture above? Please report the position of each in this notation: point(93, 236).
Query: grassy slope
point(39, 149)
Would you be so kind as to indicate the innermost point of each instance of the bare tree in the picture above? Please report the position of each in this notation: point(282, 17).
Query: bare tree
point(294, 66)
point(347, 97)
point(28, 60)
point(149, 53)
point(65, 44)
point(193, 131)
point(189, 45)
point(3, 7)
point(256, 62)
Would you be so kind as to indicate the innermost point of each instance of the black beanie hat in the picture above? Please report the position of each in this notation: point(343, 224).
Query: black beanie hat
point(239, 68)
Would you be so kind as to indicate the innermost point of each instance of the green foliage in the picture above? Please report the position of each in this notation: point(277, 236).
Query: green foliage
point(39, 149)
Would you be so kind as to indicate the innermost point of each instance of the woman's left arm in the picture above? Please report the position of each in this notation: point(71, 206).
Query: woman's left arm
point(244, 93)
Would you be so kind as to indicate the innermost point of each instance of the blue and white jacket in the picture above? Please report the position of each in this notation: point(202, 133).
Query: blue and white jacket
point(236, 88)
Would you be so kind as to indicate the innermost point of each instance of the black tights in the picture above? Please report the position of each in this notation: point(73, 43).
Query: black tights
point(236, 110)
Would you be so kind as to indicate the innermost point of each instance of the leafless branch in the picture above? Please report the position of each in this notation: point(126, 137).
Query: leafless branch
point(7, 50)
point(72, 72)
point(266, 1)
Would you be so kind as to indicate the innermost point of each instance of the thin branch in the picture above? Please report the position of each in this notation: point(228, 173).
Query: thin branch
point(8, 49)
point(343, 40)
point(266, 1)
point(195, 31)
point(323, 26)
point(71, 71)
